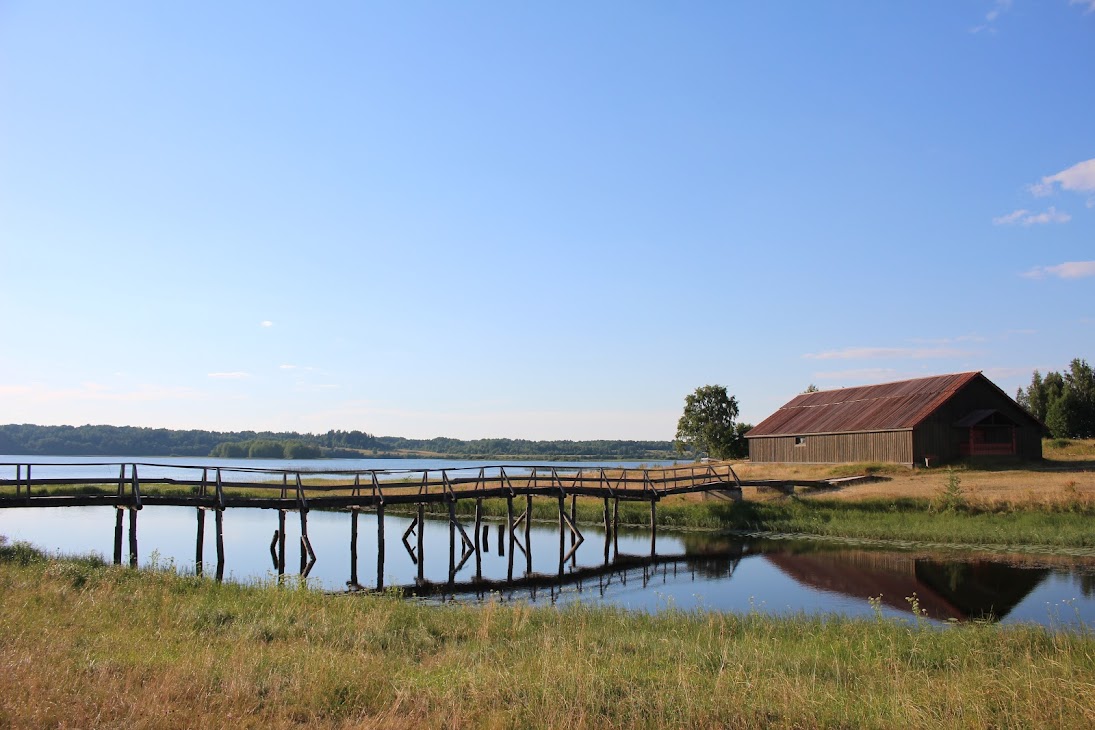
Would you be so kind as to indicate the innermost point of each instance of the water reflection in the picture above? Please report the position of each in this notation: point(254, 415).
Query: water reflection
point(975, 589)
point(462, 559)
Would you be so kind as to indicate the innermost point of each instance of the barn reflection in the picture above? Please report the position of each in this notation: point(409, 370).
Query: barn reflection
point(971, 589)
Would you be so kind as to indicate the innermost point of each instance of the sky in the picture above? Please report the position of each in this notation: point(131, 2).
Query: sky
point(533, 220)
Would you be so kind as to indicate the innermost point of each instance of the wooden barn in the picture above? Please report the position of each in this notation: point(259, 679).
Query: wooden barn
point(923, 421)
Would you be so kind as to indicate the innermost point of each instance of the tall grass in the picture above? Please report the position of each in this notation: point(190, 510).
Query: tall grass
point(87, 645)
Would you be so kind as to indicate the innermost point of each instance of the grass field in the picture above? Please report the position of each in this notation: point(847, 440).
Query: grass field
point(86, 645)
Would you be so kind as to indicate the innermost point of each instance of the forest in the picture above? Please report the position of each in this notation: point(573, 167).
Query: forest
point(102, 440)
point(1065, 403)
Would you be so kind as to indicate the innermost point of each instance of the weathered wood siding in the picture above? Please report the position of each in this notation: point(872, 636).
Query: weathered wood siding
point(886, 446)
point(937, 436)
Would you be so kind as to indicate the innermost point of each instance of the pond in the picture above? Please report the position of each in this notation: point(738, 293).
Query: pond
point(680, 570)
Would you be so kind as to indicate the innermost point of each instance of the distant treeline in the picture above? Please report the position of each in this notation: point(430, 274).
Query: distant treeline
point(132, 441)
point(491, 448)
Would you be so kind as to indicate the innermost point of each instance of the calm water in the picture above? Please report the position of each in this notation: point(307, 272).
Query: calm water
point(686, 570)
point(190, 467)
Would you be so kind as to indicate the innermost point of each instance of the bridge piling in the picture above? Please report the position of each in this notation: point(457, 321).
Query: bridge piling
point(653, 526)
point(528, 534)
point(354, 514)
point(132, 537)
point(421, 517)
point(199, 545)
point(220, 543)
point(118, 527)
point(380, 546)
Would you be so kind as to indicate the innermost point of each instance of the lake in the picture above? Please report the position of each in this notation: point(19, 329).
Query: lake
point(685, 570)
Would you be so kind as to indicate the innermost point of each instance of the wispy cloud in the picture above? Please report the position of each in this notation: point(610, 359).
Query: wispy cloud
point(1027, 218)
point(1001, 373)
point(1089, 5)
point(858, 375)
point(300, 368)
point(950, 340)
point(266, 323)
point(868, 353)
point(1080, 178)
point(998, 8)
point(230, 376)
point(38, 393)
point(1067, 270)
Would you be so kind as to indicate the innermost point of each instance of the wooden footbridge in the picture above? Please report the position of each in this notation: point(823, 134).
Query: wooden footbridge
point(130, 486)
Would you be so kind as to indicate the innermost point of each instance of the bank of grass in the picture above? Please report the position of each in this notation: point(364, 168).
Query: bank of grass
point(83, 644)
point(1061, 524)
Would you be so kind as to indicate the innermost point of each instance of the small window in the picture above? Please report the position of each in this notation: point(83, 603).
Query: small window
point(800, 440)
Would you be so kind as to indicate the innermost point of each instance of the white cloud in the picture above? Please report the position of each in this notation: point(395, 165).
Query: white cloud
point(1026, 218)
point(999, 7)
point(1080, 178)
point(865, 353)
point(1011, 218)
point(1067, 270)
point(1089, 5)
point(230, 376)
point(266, 323)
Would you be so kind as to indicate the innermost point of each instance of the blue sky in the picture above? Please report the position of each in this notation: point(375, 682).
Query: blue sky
point(547, 220)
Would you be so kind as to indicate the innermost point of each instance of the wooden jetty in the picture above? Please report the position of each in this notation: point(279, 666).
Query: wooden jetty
point(132, 485)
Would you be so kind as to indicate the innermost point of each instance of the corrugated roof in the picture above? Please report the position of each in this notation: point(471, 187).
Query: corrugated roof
point(883, 407)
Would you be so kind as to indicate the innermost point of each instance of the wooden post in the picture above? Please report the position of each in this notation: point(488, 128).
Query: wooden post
point(353, 548)
point(281, 542)
point(607, 519)
point(486, 539)
point(118, 522)
point(220, 544)
point(562, 533)
point(452, 540)
point(528, 534)
point(478, 520)
point(479, 546)
point(380, 546)
point(501, 540)
point(303, 541)
point(199, 547)
point(509, 521)
point(419, 530)
point(132, 538)
point(573, 535)
point(653, 527)
point(616, 526)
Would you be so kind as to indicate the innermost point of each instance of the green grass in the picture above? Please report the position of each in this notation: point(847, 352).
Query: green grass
point(948, 518)
point(83, 644)
point(1062, 525)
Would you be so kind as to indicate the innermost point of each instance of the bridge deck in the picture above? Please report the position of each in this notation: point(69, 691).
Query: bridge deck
point(137, 484)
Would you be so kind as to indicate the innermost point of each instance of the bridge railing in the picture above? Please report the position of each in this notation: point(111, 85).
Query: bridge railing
point(125, 481)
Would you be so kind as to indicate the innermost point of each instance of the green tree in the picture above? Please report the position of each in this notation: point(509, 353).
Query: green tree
point(1080, 384)
point(707, 425)
point(811, 388)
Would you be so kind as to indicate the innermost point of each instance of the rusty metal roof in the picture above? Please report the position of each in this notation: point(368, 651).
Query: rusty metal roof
point(884, 407)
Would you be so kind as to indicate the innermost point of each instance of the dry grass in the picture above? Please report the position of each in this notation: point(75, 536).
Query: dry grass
point(1066, 477)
